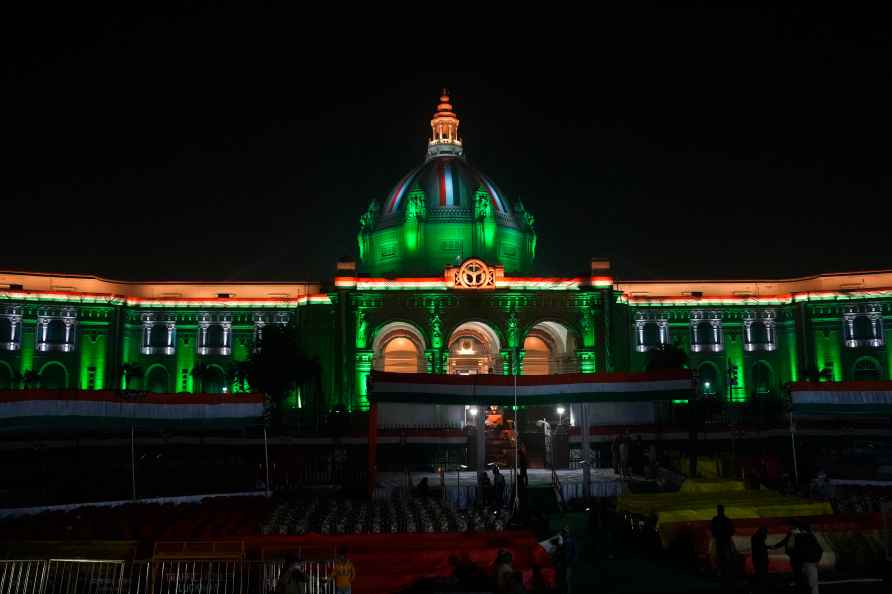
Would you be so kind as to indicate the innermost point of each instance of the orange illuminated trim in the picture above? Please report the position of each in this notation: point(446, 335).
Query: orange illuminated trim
point(517, 283)
point(544, 283)
point(399, 283)
point(106, 299)
point(783, 299)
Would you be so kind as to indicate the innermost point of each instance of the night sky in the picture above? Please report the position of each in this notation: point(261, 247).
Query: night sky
point(211, 144)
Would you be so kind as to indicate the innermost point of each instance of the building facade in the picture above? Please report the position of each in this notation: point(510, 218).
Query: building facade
point(444, 283)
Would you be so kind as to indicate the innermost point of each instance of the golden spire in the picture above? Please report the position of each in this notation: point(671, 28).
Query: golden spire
point(444, 130)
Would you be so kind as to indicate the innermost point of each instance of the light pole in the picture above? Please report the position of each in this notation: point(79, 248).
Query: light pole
point(560, 411)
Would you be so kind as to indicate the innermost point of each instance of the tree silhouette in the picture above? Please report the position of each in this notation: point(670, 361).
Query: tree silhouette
point(31, 379)
point(199, 371)
point(666, 356)
point(240, 372)
point(278, 366)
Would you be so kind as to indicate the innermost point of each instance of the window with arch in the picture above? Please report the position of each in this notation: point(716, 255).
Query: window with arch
point(866, 369)
point(706, 331)
point(11, 328)
point(862, 326)
point(56, 330)
point(159, 333)
point(651, 331)
point(759, 330)
point(215, 334)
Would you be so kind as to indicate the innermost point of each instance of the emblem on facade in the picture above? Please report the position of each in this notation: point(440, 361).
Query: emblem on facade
point(474, 274)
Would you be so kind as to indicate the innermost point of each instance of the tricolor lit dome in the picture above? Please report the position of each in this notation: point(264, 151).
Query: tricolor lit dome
point(443, 212)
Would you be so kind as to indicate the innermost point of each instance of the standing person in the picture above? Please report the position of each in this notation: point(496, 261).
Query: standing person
point(503, 571)
point(726, 555)
point(624, 455)
point(614, 454)
point(293, 579)
point(759, 553)
point(652, 461)
point(811, 553)
point(523, 462)
point(343, 572)
point(805, 553)
point(559, 559)
point(546, 430)
point(637, 456)
point(484, 488)
point(498, 482)
point(568, 544)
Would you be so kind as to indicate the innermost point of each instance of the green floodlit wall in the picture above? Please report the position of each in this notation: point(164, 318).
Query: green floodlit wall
point(827, 349)
point(93, 355)
point(427, 248)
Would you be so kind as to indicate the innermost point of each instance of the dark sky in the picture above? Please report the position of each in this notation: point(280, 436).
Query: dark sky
point(219, 144)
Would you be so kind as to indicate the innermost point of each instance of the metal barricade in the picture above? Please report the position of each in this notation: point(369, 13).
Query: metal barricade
point(80, 576)
point(22, 576)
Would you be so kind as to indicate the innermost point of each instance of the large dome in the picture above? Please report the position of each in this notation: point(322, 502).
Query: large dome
point(443, 212)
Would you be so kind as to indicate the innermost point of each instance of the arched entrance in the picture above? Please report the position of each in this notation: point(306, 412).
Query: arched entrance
point(708, 378)
point(866, 369)
point(474, 349)
point(156, 380)
point(214, 380)
point(549, 347)
point(5, 376)
point(399, 348)
point(763, 378)
point(54, 376)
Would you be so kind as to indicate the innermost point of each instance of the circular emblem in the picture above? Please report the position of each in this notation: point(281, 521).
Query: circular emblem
point(473, 274)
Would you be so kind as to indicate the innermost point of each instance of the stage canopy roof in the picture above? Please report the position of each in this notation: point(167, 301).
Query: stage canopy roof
point(531, 389)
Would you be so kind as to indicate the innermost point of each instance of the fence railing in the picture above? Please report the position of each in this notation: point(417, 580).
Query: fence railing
point(70, 576)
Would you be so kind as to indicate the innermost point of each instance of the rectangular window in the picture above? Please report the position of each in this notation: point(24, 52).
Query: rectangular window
point(388, 250)
point(451, 245)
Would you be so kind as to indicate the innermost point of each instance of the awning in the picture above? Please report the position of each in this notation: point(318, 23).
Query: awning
point(842, 398)
point(41, 409)
point(531, 389)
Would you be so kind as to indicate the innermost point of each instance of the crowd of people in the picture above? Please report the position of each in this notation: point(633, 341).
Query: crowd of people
point(632, 457)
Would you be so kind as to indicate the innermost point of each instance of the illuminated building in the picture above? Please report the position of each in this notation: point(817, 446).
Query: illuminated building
point(444, 282)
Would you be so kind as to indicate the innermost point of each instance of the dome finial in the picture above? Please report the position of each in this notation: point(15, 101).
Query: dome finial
point(444, 130)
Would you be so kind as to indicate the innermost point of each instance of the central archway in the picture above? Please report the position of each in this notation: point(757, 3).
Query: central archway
point(474, 348)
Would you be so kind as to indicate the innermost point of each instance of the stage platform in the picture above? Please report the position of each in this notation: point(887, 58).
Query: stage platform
point(461, 487)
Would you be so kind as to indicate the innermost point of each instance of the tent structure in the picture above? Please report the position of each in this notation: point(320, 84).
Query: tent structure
point(584, 391)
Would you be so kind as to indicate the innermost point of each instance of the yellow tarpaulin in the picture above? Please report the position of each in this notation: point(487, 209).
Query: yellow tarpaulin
point(698, 502)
